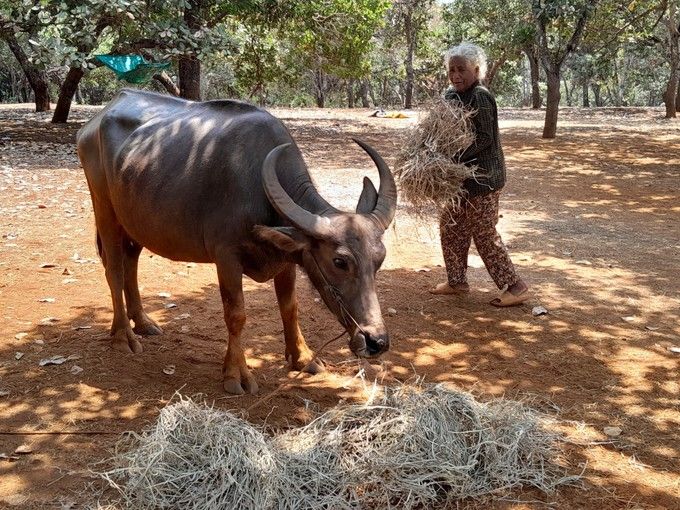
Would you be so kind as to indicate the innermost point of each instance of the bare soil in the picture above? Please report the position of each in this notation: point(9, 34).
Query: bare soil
point(592, 220)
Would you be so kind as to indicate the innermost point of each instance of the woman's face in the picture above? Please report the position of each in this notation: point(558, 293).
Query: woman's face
point(462, 74)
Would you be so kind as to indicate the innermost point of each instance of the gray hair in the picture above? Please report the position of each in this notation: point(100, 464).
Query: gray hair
point(470, 52)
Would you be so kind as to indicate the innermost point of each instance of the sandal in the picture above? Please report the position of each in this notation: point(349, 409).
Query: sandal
point(446, 289)
point(507, 298)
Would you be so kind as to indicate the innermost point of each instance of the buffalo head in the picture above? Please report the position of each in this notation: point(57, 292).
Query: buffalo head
point(340, 252)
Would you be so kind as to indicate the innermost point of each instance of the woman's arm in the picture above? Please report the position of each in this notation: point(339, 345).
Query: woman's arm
point(484, 123)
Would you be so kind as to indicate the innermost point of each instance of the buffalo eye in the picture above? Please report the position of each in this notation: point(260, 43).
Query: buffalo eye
point(340, 263)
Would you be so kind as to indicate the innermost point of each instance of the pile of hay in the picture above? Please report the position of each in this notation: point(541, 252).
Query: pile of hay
point(414, 448)
point(426, 169)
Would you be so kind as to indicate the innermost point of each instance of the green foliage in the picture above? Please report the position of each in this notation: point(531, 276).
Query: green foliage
point(335, 36)
point(270, 51)
point(559, 20)
point(497, 25)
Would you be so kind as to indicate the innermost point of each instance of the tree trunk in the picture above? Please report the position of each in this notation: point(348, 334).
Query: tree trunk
point(670, 96)
point(408, 62)
point(552, 103)
point(552, 62)
point(384, 89)
point(167, 83)
point(35, 76)
point(363, 93)
point(319, 88)
point(596, 93)
point(189, 68)
point(68, 89)
point(567, 91)
point(189, 72)
point(493, 69)
point(350, 93)
point(677, 100)
point(586, 99)
point(671, 93)
point(534, 70)
point(615, 89)
point(610, 96)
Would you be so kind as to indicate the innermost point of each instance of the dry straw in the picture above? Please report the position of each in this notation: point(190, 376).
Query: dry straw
point(426, 166)
point(411, 447)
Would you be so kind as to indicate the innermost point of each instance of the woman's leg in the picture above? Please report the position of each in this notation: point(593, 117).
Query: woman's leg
point(490, 245)
point(455, 235)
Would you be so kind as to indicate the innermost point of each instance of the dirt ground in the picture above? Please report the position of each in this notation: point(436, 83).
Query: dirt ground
point(592, 220)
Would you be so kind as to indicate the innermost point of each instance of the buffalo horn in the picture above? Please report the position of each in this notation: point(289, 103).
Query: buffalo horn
point(306, 221)
point(387, 193)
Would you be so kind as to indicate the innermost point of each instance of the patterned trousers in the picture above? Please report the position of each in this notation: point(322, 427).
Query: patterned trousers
point(475, 219)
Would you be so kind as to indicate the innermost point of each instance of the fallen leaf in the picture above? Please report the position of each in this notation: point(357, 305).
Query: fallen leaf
point(423, 270)
point(18, 355)
point(69, 280)
point(674, 349)
point(612, 431)
point(10, 458)
point(48, 321)
point(169, 369)
point(46, 300)
point(539, 310)
point(184, 329)
point(183, 316)
point(76, 328)
point(54, 360)
point(629, 318)
point(584, 262)
point(74, 357)
point(4, 393)
point(391, 312)
point(171, 305)
point(75, 369)
point(19, 336)
point(164, 294)
point(66, 272)
point(23, 449)
point(652, 328)
point(47, 265)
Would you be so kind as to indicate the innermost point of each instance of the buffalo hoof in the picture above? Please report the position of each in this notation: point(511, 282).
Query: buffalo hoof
point(314, 366)
point(126, 341)
point(239, 386)
point(147, 327)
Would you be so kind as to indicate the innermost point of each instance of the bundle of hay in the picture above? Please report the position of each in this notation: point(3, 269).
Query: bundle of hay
point(414, 448)
point(426, 167)
point(195, 456)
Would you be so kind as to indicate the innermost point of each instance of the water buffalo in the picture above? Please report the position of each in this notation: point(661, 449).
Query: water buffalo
point(224, 182)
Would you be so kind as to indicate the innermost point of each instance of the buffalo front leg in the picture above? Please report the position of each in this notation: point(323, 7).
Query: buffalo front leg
point(297, 351)
point(144, 325)
point(110, 244)
point(237, 379)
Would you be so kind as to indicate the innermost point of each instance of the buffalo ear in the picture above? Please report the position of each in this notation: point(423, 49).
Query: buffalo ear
point(286, 239)
point(368, 198)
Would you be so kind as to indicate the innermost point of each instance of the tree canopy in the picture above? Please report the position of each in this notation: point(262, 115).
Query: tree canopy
point(542, 53)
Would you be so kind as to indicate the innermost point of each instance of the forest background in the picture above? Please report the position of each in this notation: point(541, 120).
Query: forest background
point(345, 53)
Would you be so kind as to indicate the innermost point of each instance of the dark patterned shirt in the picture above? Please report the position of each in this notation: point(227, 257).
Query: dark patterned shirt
point(486, 151)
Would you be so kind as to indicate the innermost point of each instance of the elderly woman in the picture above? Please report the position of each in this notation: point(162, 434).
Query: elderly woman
point(476, 218)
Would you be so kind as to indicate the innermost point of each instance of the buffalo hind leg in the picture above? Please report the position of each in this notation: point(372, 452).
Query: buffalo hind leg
point(237, 379)
point(297, 351)
point(144, 325)
point(110, 244)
